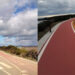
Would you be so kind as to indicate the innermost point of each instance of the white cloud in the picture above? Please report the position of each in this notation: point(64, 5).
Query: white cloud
point(23, 24)
point(22, 2)
point(20, 25)
point(4, 3)
point(47, 7)
point(8, 7)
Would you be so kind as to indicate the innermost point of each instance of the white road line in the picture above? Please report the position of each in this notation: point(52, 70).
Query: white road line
point(6, 72)
point(3, 70)
point(24, 72)
point(5, 65)
point(11, 64)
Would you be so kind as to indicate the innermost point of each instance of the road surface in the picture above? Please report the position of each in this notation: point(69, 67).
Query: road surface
point(58, 56)
point(13, 65)
point(45, 37)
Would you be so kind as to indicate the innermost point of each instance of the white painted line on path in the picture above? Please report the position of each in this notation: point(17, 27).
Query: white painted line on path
point(5, 65)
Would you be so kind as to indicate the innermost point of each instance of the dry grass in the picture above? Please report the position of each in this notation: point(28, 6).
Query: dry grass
point(29, 52)
point(29, 48)
point(73, 23)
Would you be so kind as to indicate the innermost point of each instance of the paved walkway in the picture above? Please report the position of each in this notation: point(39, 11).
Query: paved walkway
point(58, 57)
point(13, 65)
point(46, 36)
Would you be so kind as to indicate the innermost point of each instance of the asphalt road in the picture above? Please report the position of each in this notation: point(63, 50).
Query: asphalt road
point(58, 57)
point(13, 65)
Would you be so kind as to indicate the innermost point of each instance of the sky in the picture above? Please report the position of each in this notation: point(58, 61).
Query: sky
point(18, 22)
point(53, 7)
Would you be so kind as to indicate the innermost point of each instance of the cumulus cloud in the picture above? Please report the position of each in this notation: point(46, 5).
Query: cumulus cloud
point(18, 28)
point(50, 7)
point(8, 7)
point(22, 24)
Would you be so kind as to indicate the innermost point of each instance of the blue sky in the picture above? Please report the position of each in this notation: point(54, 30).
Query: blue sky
point(18, 26)
point(32, 5)
point(53, 7)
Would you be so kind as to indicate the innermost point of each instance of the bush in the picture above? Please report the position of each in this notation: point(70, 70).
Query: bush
point(33, 54)
point(20, 52)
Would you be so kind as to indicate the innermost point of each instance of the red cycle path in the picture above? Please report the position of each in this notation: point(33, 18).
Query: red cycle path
point(59, 55)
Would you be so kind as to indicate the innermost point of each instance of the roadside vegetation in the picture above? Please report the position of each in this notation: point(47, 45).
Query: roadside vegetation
point(22, 52)
point(73, 23)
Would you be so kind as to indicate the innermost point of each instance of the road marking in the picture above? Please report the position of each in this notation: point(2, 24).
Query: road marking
point(6, 72)
point(12, 64)
point(1, 68)
point(24, 71)
point(5, 65)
